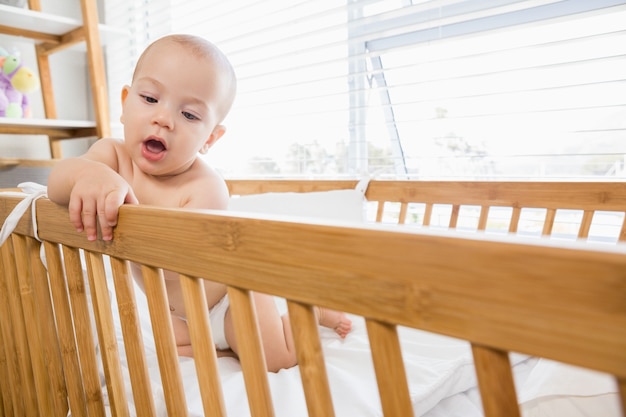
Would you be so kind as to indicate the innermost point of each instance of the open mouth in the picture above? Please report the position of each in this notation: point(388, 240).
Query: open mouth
point(154, 146)
point(154, 149)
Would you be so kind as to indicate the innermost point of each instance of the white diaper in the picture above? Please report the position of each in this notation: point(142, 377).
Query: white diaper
point(216, 317)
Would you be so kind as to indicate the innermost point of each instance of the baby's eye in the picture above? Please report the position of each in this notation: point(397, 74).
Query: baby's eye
point(149, 99)
point(189, 116)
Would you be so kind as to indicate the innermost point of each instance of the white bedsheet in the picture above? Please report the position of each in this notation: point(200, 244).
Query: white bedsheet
point(440, 373)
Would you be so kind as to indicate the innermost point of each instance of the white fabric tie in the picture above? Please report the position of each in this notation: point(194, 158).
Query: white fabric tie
point(33, 192)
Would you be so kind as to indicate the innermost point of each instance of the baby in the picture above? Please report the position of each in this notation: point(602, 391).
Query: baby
point(181, 91)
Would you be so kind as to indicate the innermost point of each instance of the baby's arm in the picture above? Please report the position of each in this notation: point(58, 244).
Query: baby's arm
point(91, 188)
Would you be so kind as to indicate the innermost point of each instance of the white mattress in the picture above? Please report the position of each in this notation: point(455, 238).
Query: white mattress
point(440, 372)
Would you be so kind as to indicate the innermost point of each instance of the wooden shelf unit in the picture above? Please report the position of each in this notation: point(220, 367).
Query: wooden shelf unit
point(51, 33)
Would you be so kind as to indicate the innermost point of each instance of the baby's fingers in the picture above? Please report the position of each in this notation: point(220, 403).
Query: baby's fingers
point(86, 219)
point(75, 209)
point(110, 212)
point(105, 228)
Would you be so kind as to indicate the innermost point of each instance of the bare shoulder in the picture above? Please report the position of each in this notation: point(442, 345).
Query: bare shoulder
point(206, 188)
point(107, 150)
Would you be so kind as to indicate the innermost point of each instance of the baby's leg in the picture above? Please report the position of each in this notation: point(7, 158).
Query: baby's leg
point(275, 331)
point(276, 334)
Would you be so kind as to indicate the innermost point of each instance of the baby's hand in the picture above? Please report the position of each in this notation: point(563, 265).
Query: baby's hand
point(96, 199)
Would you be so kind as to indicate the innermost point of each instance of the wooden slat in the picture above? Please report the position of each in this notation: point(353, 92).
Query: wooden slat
point(106, 334)
point(428, 214)
point(251, 353)
point(53, 364)
point(164, 338)
point(5, 388)
point(133, 340)
point(203, 346)
point(454, 216)
point(621, 386)
point(585, 224)
point(402, 214)
point(548, 222)
point(495, 380)
point(13, 400)
point(42, 339)
point(483, 217)
point(515, 217)
point(28, 390)
point(390, 372)
point(622, 232)
point(6, 405)
point(84, 332)
point(64, 324)
point(380, 211)
point(311, 364)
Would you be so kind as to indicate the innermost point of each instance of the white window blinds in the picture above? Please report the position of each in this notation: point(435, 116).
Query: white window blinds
point(425, 89)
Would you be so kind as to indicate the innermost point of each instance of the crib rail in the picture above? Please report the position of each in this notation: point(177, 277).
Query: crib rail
point(488, 296)
point(480, 205)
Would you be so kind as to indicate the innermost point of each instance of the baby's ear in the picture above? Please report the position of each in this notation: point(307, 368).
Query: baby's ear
point(124, 96)
point(217, 133)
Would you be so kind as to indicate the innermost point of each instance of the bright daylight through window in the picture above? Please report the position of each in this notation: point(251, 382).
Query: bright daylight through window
point(447, 89)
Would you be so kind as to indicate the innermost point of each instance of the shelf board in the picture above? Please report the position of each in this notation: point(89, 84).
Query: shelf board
point(41, 26)
point(28, 163)
point(54, 128)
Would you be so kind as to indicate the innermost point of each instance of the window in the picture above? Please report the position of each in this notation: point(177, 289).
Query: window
point(400, 88)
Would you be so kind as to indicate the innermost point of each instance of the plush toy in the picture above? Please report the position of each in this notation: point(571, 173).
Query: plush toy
point(16, 81)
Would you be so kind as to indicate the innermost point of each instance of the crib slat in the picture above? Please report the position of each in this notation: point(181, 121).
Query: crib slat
point(25, 277)
point(5, 387)
point(495, 380)
point(403, 209)
point(515, 216)
point(65, 330)
point(454, 216)
point(133, 341)
point(482, 219)
point(622, 232)
point(106, 334)
point(380, 210)
point(167, 354)
point(204, 353)
point(585, 224)
point(251, 353)
point(27, 391)
point(548, 222)
point(11, 353)
point(51, 347)
point(428, 213)
point(47, 356)
point(80, 315)
point(389, 367)
point(310, 360)
point(6, 404)
point(621, 385)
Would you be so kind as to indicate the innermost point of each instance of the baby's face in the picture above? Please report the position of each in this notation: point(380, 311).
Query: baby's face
point(172, 109)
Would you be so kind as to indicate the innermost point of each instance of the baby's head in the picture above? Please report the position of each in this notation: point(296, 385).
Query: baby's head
point(223, 75)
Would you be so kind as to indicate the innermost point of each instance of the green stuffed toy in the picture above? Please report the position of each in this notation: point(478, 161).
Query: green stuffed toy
point(16, 81)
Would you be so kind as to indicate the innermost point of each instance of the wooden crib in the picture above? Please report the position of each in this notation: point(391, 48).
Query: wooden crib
point(561, 298)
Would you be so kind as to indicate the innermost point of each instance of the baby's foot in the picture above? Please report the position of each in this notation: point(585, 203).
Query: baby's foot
point(335, 320)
